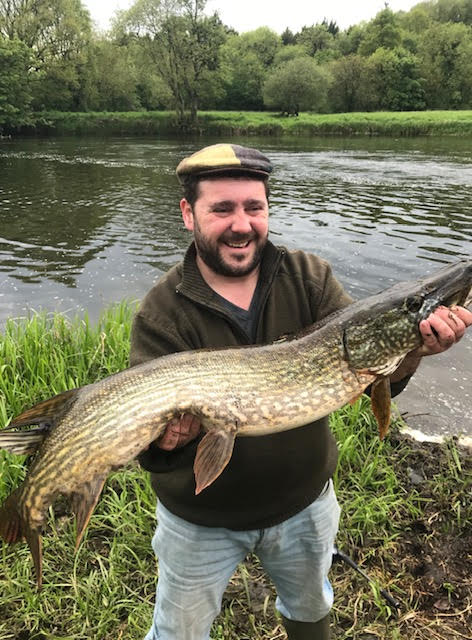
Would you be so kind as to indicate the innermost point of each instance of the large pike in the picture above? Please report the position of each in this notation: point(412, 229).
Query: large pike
point(86, 432)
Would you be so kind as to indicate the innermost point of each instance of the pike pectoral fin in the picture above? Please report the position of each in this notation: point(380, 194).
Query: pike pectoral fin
point(83, 504)
point(46, 411)
point(213, 454)
point(22, 442)
point(381, 402)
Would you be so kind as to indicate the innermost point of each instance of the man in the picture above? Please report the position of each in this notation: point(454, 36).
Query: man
point(275, 498)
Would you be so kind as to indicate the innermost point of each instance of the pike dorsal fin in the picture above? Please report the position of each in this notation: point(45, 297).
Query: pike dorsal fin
point(47, 411)
point(381, 398)
point(213, 454)
point(83, 504)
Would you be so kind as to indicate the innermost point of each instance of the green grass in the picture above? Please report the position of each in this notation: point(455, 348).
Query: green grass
point(106, 591)
point(247, 123)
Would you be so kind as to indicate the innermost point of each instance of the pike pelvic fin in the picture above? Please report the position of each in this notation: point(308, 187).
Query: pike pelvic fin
point(83, 503)
point(213, 454)
point(22, 442)
point(381, 398)
point(46, 412)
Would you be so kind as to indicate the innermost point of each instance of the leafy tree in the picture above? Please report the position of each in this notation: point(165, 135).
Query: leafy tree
point(316, 38)
point(15, 84)
point(245, 60)
point(263, 42)
point(452, 11)
point(184, 45)
point(57, 33)
point(297, 85)
point(290, 52)
point(288, 37)
point(52, 29)
point(351, 89)
point(243, 76)
point(383, 31)
point(445, 51)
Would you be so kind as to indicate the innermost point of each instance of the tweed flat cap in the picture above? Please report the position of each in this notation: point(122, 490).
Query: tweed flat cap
point(224, 159)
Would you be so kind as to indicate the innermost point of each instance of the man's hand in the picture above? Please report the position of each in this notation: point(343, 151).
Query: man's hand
point(442, 329)
point(179, 432)
point(439, 331)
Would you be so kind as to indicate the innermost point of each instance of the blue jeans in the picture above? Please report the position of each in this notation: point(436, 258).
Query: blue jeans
point(196, 564)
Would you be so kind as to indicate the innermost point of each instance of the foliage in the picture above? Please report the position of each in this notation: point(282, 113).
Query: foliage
point(15, 84)
point(173, 54)
point(184, 46)
point(382, 32)
point(297, 85)
point(394, 81)
point(350, 88)
point(445, 52)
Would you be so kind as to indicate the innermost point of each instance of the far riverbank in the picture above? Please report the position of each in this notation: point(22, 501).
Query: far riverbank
point(247, 123)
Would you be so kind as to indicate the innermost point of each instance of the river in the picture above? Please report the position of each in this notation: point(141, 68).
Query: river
point(85, 222)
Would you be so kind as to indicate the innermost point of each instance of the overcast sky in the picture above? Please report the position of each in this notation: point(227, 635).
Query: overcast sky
point(245, 15)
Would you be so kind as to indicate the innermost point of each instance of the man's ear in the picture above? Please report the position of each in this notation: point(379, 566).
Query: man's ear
point(187, 214)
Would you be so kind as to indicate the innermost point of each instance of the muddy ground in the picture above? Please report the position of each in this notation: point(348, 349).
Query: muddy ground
point(427, 567)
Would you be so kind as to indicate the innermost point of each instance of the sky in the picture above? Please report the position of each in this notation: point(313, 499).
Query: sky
point(246, 15)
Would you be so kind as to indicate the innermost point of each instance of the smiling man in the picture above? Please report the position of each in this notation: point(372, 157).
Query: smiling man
point(275, 498)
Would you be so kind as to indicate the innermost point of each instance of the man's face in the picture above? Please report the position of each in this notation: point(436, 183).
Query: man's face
point(230, 224)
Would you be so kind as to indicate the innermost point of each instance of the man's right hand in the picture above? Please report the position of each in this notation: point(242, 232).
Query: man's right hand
point(179, 432)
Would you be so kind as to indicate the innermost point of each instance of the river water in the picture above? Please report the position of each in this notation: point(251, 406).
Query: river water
point(85, 222)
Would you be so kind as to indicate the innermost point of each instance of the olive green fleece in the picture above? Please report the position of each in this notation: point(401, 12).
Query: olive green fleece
point(269, 478)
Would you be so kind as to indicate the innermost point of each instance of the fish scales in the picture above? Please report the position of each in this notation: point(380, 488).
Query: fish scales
point(246, 391)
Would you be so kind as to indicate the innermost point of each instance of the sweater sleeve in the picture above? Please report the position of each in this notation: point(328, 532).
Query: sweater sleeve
point(151, 337)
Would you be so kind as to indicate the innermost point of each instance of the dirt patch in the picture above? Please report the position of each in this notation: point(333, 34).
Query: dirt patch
point(427, 567)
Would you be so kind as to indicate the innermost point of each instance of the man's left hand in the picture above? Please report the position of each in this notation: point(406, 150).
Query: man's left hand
point(442, 329)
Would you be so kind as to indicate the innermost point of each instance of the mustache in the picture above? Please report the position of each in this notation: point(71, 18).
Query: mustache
point(238, 237)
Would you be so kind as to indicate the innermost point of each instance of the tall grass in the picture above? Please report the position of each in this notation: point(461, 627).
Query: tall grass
point(246, 123)
point(106, 591)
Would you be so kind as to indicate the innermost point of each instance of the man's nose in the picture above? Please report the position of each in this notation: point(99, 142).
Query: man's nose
point(241, 222)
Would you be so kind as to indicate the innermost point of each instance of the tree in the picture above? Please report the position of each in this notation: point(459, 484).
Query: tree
point(57, 33)
point(297, 85)
point(350, 89)
point(316, 38)
point(445, 51)
point(395, 80)
point(383, 31)
point(184, 45)
point(15, 84)
point(245, 60)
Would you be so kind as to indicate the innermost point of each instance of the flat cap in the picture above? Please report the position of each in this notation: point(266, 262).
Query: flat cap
point(224, 159)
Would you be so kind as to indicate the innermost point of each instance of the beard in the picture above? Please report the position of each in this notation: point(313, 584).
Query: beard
point(209, 252)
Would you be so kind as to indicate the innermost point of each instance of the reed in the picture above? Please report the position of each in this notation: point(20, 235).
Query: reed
point(246, 123)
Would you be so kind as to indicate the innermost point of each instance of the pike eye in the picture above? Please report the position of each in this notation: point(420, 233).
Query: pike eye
point(414, 303)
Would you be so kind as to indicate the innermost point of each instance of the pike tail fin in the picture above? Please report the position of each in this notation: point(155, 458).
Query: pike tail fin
point(83, 504)
point(14, 529)
point(46, 412)
point(22, 442)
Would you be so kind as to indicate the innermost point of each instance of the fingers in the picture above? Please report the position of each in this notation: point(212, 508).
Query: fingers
point(179, 432)
point(443, 328)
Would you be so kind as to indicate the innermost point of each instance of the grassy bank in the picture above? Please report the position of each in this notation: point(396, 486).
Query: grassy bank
point(406, 519)
point(243, 123)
